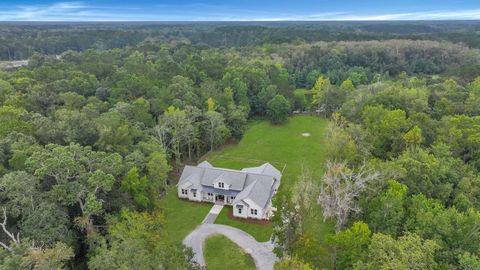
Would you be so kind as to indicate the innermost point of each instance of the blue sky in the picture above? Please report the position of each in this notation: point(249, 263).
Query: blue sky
point(238, 10)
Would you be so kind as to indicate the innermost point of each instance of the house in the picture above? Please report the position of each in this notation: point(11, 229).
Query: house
point(249, 190)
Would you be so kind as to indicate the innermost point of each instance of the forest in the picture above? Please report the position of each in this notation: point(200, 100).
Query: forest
point(96, 128)
point(20, 40)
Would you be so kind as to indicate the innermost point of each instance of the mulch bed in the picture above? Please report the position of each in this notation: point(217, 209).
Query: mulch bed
point(248, 220)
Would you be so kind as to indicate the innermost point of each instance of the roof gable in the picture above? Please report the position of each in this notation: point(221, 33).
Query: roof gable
point(256, 183)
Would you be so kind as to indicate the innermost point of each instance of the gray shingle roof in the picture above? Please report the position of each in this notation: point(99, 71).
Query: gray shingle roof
point(255, 183)
point(266, 169)
point(234, 179)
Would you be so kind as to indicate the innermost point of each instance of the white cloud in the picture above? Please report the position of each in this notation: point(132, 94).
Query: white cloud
point(56, 11)
point(426, 15)
point(79, 11)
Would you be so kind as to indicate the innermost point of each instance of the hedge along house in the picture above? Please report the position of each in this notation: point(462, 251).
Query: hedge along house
point(249, 190)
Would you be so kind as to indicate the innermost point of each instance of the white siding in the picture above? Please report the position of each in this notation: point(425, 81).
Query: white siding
point(253, 205)
point(225, 186)
point(244, 213)
point(180, 195)
point(197, 198)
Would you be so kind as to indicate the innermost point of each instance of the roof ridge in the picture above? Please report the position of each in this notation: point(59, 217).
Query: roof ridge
point(238, 171)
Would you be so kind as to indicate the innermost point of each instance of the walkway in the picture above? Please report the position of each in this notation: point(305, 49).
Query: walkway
point(212, 215)
point(262, 253)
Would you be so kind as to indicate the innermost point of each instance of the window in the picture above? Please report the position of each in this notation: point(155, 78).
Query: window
point(194, 194)
point(232, 197)
point(253, 212)
point(184, 192)
point(221, 185)
point(210, 194)
point(239, 210)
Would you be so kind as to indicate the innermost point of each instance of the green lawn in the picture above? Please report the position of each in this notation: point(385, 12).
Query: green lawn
point(221, 253)
point(284, 147)
point(261, 233)
point(181, 217)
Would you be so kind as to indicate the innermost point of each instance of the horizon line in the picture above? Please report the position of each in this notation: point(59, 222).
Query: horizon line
point(238, 21)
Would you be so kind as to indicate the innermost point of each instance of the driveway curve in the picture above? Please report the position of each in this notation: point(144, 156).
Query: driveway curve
point(262, 253)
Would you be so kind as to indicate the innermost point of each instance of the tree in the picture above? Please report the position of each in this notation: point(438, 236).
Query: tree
point(236, 120)
point(299, 101)
point(50, 258)
point(76, 175)
point(137, 187)
point(175, 132)
point(469, 261)
point(386, 129)
point(471, 104)
point(13, 120)
point(319, 90)
point(351, 245)
point(211, 106)
point(347, 86)
point(76, 127)
point(264, 96)
point(144, 234)
point(291, 218)
point(72, 100)
point(450, 230)
point(214, 129)
point(341, 145)
point(157, 169)
point(115, 134)
point(278, 110)
point(385, 212)
point(341, 187)
point(434, 174)
point(409, 252)
point(461, 134)
point(291, 264)
point(25, 254)
point(6, 90)
point(414, 136)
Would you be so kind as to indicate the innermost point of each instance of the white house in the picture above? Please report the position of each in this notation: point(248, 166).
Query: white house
point(249, 190)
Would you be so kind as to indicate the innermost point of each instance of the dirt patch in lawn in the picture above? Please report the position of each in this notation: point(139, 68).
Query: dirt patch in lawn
point(248, 220)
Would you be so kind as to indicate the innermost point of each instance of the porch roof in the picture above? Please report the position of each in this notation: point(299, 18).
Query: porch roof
point(220, 191)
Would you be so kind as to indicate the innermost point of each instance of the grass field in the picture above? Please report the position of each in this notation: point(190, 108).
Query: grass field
point(221, 254)
point(182, 216)
point(261, 233)
point(284, 147)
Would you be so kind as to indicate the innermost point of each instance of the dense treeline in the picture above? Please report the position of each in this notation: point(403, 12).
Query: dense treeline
point(402, 183)
point(92, 136)
point(88, 140)
point(21, 40)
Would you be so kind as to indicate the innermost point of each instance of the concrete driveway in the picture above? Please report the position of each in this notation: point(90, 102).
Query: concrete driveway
point(262, 253)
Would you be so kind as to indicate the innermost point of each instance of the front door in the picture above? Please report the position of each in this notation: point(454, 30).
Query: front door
point(220, 198)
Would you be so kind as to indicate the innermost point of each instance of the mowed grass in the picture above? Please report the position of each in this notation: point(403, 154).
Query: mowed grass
point(285, 147)
point(261, 233)
point(181, 216)
point(221, 253)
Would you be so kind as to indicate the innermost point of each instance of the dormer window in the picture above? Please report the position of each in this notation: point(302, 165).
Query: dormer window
point(221, 185)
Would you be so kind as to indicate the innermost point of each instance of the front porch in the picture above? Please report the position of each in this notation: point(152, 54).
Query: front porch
point(219, 196)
